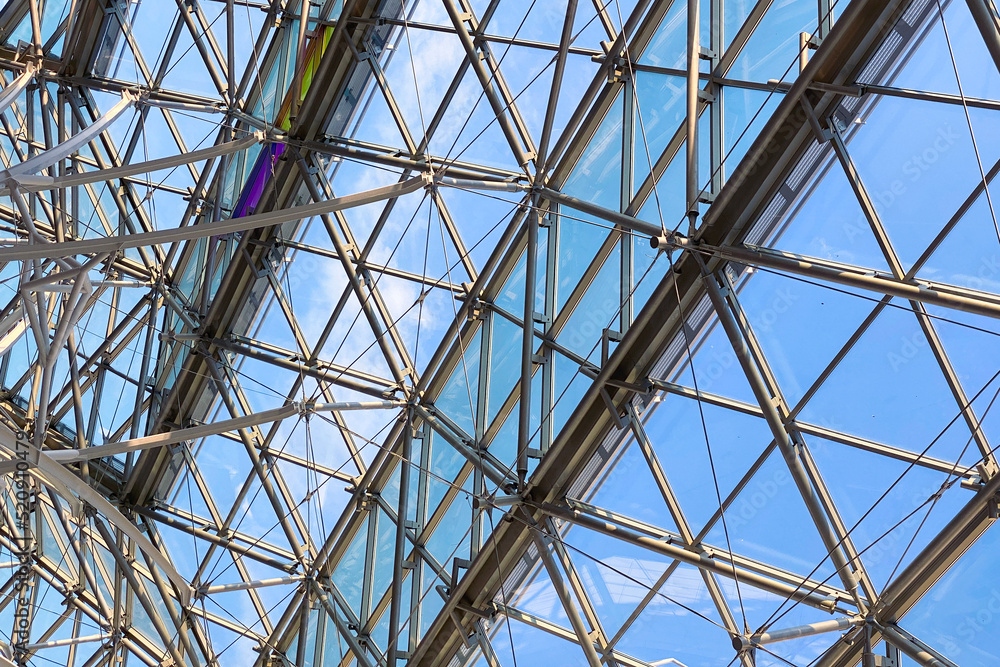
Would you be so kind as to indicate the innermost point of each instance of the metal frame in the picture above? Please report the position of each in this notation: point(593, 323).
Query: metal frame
point(139, 343)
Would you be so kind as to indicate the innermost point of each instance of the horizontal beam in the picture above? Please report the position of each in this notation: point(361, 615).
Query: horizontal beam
point(29, 251)
point(64, 482)
point(913, 648)
point(785, 634)
point(703, 562)
point(198, 432)
point(808, 428)
point(39, 183)
point(53, 155)
point(926, 569)
point(935, 294)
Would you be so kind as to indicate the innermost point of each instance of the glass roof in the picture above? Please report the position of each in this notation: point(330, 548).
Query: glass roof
point(270, 395)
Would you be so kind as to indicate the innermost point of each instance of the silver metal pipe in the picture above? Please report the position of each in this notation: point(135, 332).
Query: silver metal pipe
point(247, 585)
point(917, 650)
point(691, 122)
point(527, 349)
point(562, 591)
point(781, 436)
point(802, 593)
point(771, 637)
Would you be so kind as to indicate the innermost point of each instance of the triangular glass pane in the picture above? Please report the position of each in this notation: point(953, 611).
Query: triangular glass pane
point(617, 576)
point(531, 644)
point(470, 132)
point(187, 70)
point(918, 162)
point(528, 74)
point(891, 390)
point(716, 367)
point(952, 262)
point(784, 312)
point(830, 224)
point(352, 343)
point(677, 433)
point(958, 615)
point(974, 352)
point(378, 126)
point(883, 520)
point(930, 67)
point(681, 623)
point(629, 489)
point(225, 466)
point(769, 522)
point(480, 220)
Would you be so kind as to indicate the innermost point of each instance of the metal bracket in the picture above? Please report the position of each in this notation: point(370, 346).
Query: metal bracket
point(475, 311)
point(456, 565)
point(615, 414)
point(821, 133)
point(608, 335)
point(366, 501)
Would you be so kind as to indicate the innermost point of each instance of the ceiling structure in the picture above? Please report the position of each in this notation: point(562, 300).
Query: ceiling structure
point(268, 396)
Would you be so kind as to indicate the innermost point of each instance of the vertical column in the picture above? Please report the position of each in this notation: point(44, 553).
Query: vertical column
point(551, 294)
point(628, 177)
point(717, 27)
point(399, 556)
point(418, 563)
point(825, 9)
point(691, 123)
point(527, 346)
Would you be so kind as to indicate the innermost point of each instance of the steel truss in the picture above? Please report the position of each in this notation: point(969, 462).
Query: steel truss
point(224, 295)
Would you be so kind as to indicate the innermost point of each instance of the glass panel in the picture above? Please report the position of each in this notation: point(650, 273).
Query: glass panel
point(458, 399)
point(348, 576)
point(597, 177)
point(960, 615)
point(505, 363)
